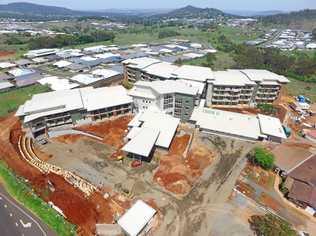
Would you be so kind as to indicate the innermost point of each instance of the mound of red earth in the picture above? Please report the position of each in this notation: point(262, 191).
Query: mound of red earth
point(177, 173)
point(112, 131)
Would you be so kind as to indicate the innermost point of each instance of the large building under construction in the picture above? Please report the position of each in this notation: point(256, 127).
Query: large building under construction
point(71, 107)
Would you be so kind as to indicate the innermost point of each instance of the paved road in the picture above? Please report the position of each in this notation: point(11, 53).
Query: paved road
point(15, 220)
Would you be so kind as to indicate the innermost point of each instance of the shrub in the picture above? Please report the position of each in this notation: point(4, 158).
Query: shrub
point(270, 225)
point(263, 158)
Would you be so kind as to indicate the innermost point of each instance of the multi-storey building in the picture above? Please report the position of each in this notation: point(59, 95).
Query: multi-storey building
point(70, 107)
point(243, 87)
point(172, 97)
point(222, 88)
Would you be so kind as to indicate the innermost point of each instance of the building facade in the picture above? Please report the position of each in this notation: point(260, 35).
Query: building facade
point(171, 97)
point(70, 107)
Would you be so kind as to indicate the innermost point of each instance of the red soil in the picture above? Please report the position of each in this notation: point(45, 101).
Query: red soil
point(112, 131)
point(178, 174)
point(68, 139)
point(83, 212)
point(6, 53)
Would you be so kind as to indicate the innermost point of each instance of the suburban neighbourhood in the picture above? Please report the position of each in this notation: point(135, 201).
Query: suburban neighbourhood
point(192, 121)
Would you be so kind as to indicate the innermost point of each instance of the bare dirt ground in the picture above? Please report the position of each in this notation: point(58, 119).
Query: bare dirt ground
point(177, 171)
point(112, 131)
point(79, 210)
point(211, 167)
point(260, 188)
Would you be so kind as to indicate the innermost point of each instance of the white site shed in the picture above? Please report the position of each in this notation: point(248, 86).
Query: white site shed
point(136, 218)
point(271, 127)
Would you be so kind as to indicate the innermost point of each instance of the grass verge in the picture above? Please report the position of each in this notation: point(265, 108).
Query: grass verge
point(18, 189)
point(11, 100)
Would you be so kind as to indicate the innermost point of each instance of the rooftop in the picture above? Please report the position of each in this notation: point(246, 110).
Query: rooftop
point(271, 126)
point(162, 69)
point(166, 87)
point(141, 63)
point(136, 218)
point(264, 75)
point(88, 98)
point(196, 73)
point(231, 78)
point(224, 122)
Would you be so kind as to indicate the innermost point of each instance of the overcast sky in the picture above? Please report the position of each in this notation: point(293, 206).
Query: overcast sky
point(254, 5)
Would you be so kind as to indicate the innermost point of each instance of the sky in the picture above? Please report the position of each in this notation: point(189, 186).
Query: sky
point(252, 5)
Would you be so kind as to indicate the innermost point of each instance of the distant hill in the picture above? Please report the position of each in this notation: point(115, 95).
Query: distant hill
point(253, 13)
point(24, 10)
point(194, 12)
point(305, 19)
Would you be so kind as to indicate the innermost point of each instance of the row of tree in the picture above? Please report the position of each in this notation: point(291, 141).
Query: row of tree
point(64, 40)
point(299, 65)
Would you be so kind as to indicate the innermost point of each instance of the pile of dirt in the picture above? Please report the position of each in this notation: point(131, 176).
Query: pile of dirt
point(112, 131)
point(178, 174)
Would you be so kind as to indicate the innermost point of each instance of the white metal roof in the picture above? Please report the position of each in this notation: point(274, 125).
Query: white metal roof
point(98, 48)
point(20, 72)
point(5, 65)
point(192, 55)
point(271, 126)
point(264, 75)
point(85, 79)
point(140, 63)
point(162, 69)
point(167, 87)
point(88, 98)
point(61, 64)
point(136, 218)
point(246, 126)
point(88, 58)
point(231, 78)
point(94, 99)
point(196, 84)
point(143, 142)
point(107, 55)
point(166, 124)
point(196, 73)
point(105, 73)
point(5, 85)
point(57, 84)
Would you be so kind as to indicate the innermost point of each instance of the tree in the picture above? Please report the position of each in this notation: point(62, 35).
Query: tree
point(167, 33)
point(270, 225)
point(263, 158)
point(210, 60)
point(314, 33)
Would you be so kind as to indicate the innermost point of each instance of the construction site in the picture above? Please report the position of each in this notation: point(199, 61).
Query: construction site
point(86, 175)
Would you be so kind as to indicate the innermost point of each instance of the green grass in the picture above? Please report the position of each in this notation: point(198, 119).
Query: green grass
point(296, 87)
point(11, 100)
point(18, 189)
point(223, 61)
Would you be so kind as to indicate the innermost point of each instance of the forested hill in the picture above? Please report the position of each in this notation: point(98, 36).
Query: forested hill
point(194, 12)
point(305, 19)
